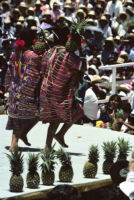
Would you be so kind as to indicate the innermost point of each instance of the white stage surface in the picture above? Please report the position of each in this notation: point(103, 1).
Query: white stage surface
point(79, 138)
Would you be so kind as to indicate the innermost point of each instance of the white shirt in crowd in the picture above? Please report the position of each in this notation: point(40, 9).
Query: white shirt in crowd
point(90, 105)
point(114, 8)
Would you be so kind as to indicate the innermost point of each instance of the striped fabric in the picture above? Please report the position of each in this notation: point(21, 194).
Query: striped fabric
point(58, 87)
point(24, 91)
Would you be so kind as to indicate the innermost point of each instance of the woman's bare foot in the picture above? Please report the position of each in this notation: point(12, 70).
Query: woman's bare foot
point(46, 148)
point(12, 147)
point(14, 142)
point(25, 140)
point(61, 141)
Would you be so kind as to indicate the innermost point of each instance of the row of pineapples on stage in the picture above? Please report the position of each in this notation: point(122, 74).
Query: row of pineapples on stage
point(110, 148)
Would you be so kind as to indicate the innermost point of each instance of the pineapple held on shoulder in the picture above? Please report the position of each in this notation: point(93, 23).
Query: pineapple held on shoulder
point(16, 167)
point(66, 170)
point(110, 150)
point(48, 166)
point(41, 45)
point(116, 125)
point(74, 38)
point(90, 168)
point(33, 178)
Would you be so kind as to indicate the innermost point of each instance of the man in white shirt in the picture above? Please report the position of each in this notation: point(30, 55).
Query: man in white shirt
point(114, 8)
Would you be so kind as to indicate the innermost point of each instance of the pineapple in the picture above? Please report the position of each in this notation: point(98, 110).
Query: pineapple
point(40, 47)
point(110, 149)
point(47, 166)
point(90, 167)
point(16, 164)
point(71, 45)
point(123, 149)
point(66, 170)
point(33, 178)
point(116, 125)
point(74, 41)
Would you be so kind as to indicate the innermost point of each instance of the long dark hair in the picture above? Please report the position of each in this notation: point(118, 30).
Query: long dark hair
point(27, 35)
point(115, 97)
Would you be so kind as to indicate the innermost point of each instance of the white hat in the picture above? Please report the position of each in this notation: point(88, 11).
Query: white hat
point(94, 68)
point(121, 93)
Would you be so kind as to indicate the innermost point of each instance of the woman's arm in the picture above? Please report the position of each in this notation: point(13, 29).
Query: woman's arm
point(126, 123)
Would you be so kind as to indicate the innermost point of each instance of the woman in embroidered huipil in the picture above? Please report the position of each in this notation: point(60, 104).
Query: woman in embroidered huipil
point(24, 76)
point(60, 81)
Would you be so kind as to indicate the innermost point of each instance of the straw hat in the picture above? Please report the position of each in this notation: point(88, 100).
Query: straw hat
point(109, 39)
point(91, 22)
point(68, 6)
point(82, 6)
point(54, 1)
point(22, 4)
point(16, 10)
point(5, 3)
point(117, 38)
point(31, 9)
point(96, 79)
point(80, 11)
point(91, 12)
point(103, 18)
point(18, 24)
point(129, 2)
point(123, 88)
point(120, 60)
point(124, 54)
point(38, 2)
point(123, 14)
point(30, 18)
point(21, 19)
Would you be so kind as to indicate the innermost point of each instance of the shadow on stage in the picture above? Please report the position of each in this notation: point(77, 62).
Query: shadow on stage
point(76, 154)
point(27, 149)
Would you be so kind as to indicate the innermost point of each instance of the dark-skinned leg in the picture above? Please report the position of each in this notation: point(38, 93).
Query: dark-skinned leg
point(15, 138)
point(24, 133)
point(60, 135)
point(50, 135)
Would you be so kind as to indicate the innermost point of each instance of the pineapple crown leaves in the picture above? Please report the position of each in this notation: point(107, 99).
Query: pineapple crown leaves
point(48, 159)
point(33, 160)
point(110, 150)
point(16, 161)
point(123, 148)
point(64, 157)
point(43, 34)
point(93, 155)
point(40, 46)
point(119, 113)
point(77, 27)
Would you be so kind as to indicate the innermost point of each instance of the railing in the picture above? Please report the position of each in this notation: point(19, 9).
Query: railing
point(114, 82)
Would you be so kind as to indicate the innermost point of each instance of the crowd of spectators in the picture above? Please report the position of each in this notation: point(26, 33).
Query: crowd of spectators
point(109, 36)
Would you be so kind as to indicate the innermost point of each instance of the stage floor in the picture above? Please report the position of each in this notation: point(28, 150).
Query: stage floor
point(79, 138)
